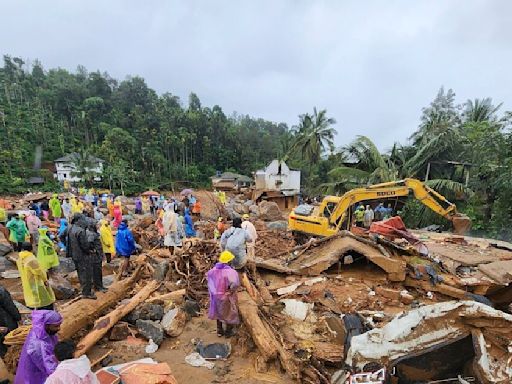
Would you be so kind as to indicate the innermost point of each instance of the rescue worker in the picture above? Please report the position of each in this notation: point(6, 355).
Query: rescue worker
point(125, 246)
point(235, 240)
point(107, 240)
point(359, 216)
point(46, 254)
point(223, 282)
point(37, 292)
point(170, 229)
point(55, 207)
point(117, 211)
point(388, 213)
point(77, 247)
point(71, 370)
point(66, 209)
point(219, 228)
point(379, 212)
point(368, 217)
point(37, 360)
point(18, 231)
point(33, 223)
point(95, 254)
point(189, 225)
point(196, 208)
point(9, 317)
point(251, 229)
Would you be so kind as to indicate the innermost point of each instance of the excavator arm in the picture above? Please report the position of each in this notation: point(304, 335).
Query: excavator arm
point(426, 195)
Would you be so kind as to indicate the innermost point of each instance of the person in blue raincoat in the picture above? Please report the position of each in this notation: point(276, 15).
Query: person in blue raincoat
point(189, 225)
point(125, 246)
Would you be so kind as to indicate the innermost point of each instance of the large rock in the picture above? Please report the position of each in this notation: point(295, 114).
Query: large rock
point(254, 209)
point(278, 225)
point(66, 265)
point(5, 264)
point(269, 211)
point(5, 246)
point(174, 322)
point(61, 287)
point(145, 311)
point(120, 331)
point(241, 208)
point(151, 330)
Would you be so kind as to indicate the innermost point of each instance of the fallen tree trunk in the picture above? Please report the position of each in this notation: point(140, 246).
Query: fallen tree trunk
point(103, 324)
point(84, 312)
point(261, 335)
point(175, 296)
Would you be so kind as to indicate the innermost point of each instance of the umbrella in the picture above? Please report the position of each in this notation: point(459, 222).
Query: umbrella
point(150, 193)
point(186, 192)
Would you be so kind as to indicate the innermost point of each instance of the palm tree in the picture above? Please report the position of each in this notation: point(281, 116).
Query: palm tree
point(84, 163)
point(480, 110)
point(314, 135)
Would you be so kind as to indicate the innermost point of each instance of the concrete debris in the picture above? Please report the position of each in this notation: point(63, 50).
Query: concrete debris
point(174, 322)
point(403, 341)
point(296, 309)
point(145, 311)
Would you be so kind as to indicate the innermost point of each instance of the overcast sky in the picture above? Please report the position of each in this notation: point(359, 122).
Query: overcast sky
point(372, 64)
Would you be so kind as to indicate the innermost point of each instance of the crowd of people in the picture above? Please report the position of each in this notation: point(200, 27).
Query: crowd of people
point(90, 229)
point(365, 216)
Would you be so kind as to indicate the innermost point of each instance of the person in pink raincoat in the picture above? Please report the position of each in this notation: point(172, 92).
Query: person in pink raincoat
point(71, 370)
point(118, 214)
point(223, 282)
point(37, 360)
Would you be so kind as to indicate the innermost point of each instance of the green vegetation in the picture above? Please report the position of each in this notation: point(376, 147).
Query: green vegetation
point(151, 141)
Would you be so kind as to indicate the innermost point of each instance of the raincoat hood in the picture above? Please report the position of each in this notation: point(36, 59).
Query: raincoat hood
point(42, 231)
point(123, 226)
point(41, 318)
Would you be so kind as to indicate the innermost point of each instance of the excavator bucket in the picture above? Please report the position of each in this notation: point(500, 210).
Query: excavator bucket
point(461, 224)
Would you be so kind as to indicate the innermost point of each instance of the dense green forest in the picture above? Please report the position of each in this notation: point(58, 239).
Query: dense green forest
point(151, 140)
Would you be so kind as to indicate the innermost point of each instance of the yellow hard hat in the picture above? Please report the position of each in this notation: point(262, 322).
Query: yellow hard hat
point(245, 216)
point(220, 218)
point(225, 257)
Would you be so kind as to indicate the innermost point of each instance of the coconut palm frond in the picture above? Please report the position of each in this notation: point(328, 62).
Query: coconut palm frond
point(449, 188)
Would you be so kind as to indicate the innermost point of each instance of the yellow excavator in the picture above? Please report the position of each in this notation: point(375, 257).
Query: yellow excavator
point(335, 212)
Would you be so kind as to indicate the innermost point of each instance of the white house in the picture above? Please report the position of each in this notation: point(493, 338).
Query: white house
point(277, 176)
point(66, 167)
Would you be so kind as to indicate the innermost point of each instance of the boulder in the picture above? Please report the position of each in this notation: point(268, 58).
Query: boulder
point(61, 287)
point(278, 225)
point(174, 322)
point(120, 331)
point(5, 246)
point(192, 308)
point(241, 208)
point(66, 265)
point(145, 311)
point(269, 211)
point(145, 221)
point(5, 264)
point(249, 203)
point(108, 280)
point(151, 330)
point(254, 209)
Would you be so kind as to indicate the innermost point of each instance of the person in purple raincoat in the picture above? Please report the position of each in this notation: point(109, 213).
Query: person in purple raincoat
point(37, 360)
point(223, 282)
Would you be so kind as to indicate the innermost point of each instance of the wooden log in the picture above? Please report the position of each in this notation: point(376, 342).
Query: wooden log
point(329, 352)
point(440, 287)
point(260, 333)
point(83, 312)
point(103, 324)
point(175, 296)
point(251, 289)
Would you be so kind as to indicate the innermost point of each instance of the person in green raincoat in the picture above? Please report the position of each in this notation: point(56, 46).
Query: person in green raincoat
point(18, 231)
point(46, 254)
point(55, 207)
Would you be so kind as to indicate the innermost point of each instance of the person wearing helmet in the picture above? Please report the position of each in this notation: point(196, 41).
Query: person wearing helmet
point(223, 282)
point(219, 228)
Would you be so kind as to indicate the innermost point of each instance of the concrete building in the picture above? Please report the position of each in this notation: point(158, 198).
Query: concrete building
point(278, 183)
point(66, 167)
point(229, 181)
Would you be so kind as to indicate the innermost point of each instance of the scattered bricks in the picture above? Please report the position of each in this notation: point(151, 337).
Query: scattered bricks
point(151, 330)
point(388, 293)
point(120, 331)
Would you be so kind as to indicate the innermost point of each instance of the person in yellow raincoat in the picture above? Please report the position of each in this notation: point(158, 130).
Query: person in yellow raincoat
point(36, 290)
point(110, 207)
point(222, 197)
point(107, 240)
point(75, 208)
point(46, 254)
point(145, 205)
